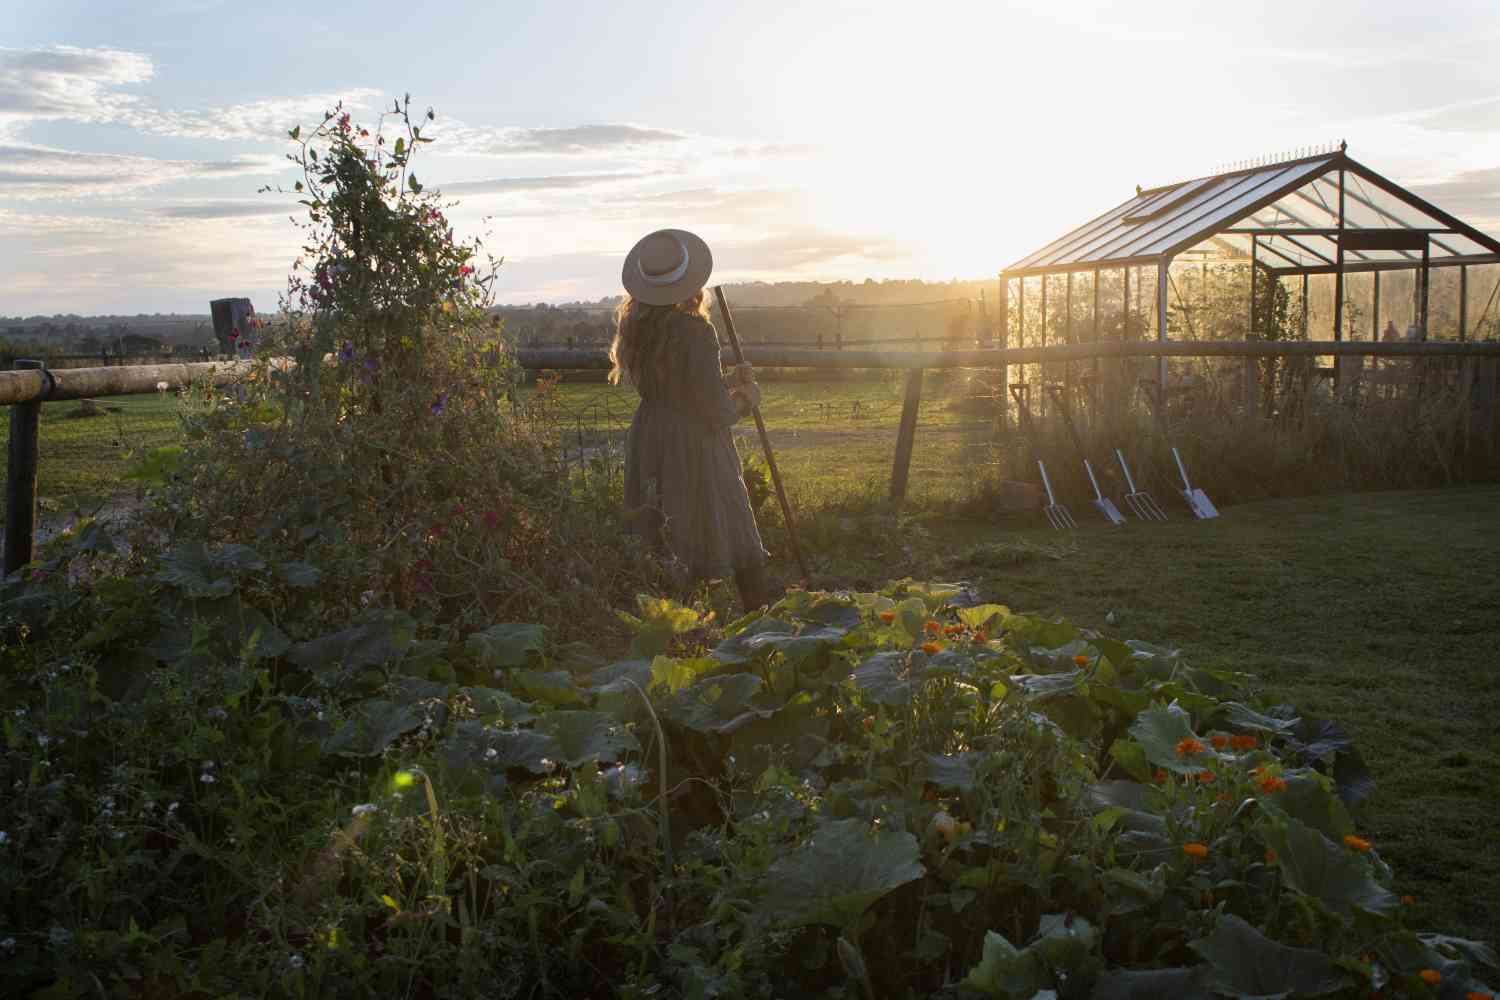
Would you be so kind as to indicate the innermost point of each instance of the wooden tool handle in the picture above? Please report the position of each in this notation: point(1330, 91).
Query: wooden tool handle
point(765, 440)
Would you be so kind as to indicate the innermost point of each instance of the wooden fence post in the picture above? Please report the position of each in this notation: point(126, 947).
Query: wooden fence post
point(20, 478)
point(907, 435)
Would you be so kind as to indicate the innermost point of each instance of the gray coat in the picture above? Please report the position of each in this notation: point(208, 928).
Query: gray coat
point(682, 473)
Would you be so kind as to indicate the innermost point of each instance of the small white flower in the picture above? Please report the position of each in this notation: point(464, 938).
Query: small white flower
point(364, 808)
point(207, 778)
point(548, 765)
point(9, 944)
point(491, 753)
point(42, 739)
point(295, 960)
point(172, 808)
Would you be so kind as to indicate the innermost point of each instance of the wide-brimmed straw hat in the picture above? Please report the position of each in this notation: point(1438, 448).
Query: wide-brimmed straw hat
point(667, 267)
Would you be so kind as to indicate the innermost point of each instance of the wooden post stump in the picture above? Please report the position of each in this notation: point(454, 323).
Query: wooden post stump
point(906, 436)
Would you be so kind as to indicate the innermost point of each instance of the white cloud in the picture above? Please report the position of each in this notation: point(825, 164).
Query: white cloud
point(458, 138)
point(30, 172)
point(62, 81)
point(268, 119)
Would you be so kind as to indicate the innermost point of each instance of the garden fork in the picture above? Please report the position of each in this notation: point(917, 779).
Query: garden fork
point(1057, 515)
point(1139, 501)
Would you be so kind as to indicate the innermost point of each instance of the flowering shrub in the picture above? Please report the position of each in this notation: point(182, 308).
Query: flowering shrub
point(386, 456)
point(808, 804)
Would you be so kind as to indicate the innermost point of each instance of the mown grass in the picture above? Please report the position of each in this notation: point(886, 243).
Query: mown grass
point(1377, 610)
point(86, 456)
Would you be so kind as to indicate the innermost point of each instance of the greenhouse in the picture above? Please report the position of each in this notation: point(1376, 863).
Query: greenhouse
point(1337, 251)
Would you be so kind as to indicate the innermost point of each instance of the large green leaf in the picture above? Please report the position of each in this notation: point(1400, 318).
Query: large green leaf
point(743, 647)
point(885, 678)
point(1005, 971)
point(507, 644)
point(1244, 962)
point(1159, 731)
point(981, 614)
point(1152, 984)
point(836, 610)
point(718, 704)
point(555, 687)
point(493, 706)
point(369, 644)
point(673, 674)
point(1314, 865)
point(372, 726)
point(838, 872)
point(955, 772)
point(587, 736)
point(1309, 797)
point(484, 754)
point(1244, 717)
point(190, 568)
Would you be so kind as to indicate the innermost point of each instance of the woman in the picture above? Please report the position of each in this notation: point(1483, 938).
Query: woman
point(683, 487)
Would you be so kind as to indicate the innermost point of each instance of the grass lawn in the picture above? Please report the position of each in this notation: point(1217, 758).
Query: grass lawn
point(83, 456)
point(1378, 610)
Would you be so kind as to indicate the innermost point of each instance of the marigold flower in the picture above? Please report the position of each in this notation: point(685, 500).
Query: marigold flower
point(1356, 843)
point(930, 648)
point(1243, 742)
point(1190, 746)
point(1431, 977)
point(1219, 740)
point(1270, 786)
point(1205, 777)
point(1408, 900)
point(887, 616)
point(1080, 660)
point(1195, 851)
point(1270, 856)
point(932, 627)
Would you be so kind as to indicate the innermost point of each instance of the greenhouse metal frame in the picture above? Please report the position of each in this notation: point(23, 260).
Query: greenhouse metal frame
point(1320, 214)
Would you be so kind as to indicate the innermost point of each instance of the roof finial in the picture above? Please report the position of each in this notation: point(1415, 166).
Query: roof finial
point(1137, 190)
point(1343, 146)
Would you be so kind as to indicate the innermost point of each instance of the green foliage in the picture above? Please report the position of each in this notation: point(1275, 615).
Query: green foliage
point(369, 810)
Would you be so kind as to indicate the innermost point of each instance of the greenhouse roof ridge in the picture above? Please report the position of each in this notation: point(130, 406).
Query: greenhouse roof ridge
point(1287, 215)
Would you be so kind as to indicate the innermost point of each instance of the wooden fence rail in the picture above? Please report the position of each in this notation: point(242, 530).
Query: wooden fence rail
point(25, 389)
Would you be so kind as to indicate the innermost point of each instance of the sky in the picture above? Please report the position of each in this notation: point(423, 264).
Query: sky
point(805, 140)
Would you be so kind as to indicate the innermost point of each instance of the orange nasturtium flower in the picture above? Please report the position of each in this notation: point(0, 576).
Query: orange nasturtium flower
point(1243, 742)
point(1080, 661)
point(1476, 995)
point(1189, 746)
point(932, 627)
point(887, 616)
point(1408, 900)
point(1272, 785)
point(1219, 740)
point(1206, 777)
point(1195, 851)
point(932, 647)
point(981, 637)
point(1270, 856)
point(1159, 777)
point(1356, 843)
point(1431, 977)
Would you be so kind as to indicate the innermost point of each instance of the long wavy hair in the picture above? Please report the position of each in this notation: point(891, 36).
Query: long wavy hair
point(640, 333)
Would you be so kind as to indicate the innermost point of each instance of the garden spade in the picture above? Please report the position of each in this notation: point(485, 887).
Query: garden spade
point(1057, 514)
point(1142, 503)
point(1203, 508)
point(1102, 503)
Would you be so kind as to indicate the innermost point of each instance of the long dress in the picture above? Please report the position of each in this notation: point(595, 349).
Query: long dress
point(683, 486)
